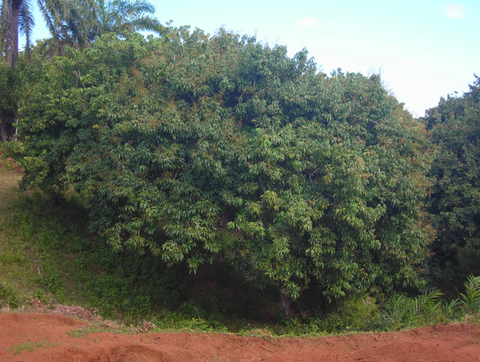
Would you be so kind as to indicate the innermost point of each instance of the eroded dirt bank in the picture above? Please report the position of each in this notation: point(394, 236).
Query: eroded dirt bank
point(45, 337)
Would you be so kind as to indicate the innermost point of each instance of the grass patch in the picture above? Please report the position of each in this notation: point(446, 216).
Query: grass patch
point(18, 262)
point(30, 346)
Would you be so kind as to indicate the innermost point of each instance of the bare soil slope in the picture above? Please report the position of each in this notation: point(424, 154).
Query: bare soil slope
point(46, 337)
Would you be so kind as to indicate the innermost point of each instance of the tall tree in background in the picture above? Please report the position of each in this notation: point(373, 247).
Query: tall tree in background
point(455, 201)
point(15, 16)
point(67, 22)
point(125, 16)
point(78, 25)
point(73, 23)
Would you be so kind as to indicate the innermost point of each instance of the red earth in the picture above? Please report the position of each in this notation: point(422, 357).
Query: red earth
point(46, 337)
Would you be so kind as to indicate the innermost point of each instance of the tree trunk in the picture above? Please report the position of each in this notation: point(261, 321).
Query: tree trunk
point(286, 303)
point(14, 33)
point(7, 128)
point(3, 132)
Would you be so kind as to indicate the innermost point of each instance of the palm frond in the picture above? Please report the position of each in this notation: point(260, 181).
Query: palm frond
point(126, 7)
point(471, 299)
point(123, 15)
point(26, 24)
point(146, 23)
point(48, 18)
point(26, 20)
point(141, 7)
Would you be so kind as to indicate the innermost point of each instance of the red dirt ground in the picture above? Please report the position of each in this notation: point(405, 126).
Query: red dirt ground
point(45, 337)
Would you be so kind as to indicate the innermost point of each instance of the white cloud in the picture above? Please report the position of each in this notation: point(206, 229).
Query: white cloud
point(455, 11)
point(309, 22)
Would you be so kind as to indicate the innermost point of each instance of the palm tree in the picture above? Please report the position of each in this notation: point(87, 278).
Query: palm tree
point(93, 18)
point(15, 16)
point(69, 22)
point(72, 22)
point(119, 16)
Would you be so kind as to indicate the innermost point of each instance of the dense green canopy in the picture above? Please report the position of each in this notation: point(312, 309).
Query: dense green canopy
point(195, 147)
point(455, 199)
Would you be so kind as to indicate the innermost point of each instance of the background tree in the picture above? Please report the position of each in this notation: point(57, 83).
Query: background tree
point(120, 16)
point(7, 103)
point(73, 23)
point(77, 24)
point(455, 200)
point(15, 16)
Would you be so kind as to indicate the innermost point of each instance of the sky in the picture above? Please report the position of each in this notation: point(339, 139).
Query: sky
point(423, 49)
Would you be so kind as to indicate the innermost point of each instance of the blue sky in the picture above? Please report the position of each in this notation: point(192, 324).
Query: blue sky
point(424, 49)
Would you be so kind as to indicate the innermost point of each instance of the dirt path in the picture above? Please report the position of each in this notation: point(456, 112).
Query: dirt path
point(44, 337)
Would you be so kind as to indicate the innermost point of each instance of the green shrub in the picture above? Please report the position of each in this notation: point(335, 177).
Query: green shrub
point(470, 300)
point(427, 309)
point(353, 315)
point(177, 140)
point(9, 297)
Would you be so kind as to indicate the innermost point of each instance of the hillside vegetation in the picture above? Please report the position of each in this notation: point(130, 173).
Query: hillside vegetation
point(194, 149)
point(202, 175)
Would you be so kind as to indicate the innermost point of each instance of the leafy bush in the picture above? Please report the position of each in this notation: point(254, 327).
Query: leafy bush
point(403, 312)
point(8, 102)
point(427, 309)
point(8, 297)
point(470, 301)
point(353, 315)
point(176, 142)
point(455, 199)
